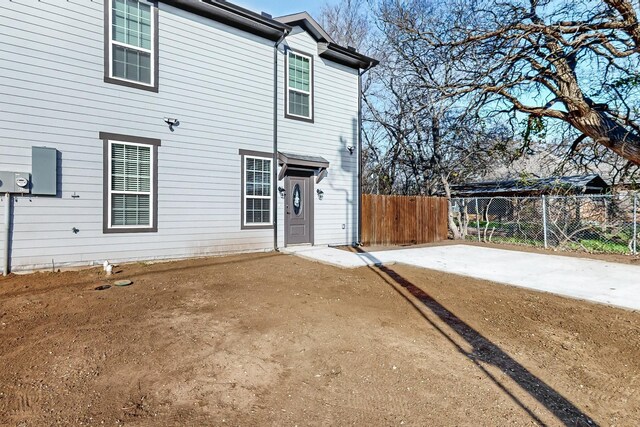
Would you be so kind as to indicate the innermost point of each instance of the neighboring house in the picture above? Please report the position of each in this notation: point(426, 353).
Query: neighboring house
point(176, 128)
point(564, 185)
point(509, 200)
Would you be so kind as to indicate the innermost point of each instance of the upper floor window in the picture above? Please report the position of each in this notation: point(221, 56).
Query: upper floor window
point(131, 47)
point(299, 102)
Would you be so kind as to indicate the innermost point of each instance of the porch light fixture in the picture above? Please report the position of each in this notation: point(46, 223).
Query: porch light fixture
point(350, 148)
point(172, 123)
point(281, 191)
point(320, 193)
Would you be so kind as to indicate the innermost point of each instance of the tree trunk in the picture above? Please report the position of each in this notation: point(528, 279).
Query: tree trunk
point(455, 231)
point(606, 131)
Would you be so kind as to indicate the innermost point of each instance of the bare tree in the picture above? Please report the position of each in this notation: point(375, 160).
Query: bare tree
point(571, 61)
point(417, 140)
point(429, 142)
point(348, 23)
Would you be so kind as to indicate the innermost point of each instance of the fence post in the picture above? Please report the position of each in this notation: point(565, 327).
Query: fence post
point(544, 220)
point(478, 220)
point(635, 223)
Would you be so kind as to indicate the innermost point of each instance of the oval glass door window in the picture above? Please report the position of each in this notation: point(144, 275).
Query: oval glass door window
point(297, 200)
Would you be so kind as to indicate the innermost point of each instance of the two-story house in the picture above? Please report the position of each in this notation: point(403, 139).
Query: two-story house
point(172, 129)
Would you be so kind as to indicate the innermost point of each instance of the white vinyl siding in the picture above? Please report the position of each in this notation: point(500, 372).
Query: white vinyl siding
point(257, 191)
point(56, 96)
point(299, 85)
point(131, 27)
point(59, 99)
point(130, 185)
point(335, 115)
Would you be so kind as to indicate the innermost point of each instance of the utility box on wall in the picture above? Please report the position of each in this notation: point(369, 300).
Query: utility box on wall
point(14, 182)
point(44, 171)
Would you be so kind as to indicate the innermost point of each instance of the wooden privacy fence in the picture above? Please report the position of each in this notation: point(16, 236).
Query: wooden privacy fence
point(398, 220)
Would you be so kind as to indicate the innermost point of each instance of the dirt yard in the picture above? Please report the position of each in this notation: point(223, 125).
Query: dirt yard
point(276, 340)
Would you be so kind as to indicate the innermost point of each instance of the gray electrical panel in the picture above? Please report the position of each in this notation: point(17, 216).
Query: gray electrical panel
point(14, 182)
point(44, 171)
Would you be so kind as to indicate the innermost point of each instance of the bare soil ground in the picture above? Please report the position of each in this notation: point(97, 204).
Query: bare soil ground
point(276, 340)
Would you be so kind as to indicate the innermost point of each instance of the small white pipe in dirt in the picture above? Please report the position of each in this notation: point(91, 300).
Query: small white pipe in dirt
point(7, 228)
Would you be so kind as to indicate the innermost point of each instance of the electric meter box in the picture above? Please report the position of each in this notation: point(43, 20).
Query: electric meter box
point(15, 182)
point(44, 171)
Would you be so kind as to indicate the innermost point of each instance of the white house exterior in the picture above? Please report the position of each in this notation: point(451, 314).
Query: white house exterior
point(178, 128)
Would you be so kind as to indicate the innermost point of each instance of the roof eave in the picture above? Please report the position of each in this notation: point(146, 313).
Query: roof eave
point(345, 56)
point(234, 16)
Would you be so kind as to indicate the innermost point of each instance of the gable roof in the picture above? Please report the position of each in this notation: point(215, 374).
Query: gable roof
point(310, 25)
point(576, 184)
point(327, 47)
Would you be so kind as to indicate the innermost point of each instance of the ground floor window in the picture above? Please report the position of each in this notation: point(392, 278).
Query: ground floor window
point(130, 194)
point(257, 197)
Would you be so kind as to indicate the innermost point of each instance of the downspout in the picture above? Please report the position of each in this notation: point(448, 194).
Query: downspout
point(274, 190)
point(7, 230)
point(360, 74)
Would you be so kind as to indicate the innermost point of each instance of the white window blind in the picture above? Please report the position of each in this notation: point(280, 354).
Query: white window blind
point(131, 185)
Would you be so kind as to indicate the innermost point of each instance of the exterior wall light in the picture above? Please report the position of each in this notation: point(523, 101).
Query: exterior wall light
point(350, 148)
point(172, 123)
point(282, 192)
point(320, 193)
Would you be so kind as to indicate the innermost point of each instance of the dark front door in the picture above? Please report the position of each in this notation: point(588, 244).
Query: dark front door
point(299, 209)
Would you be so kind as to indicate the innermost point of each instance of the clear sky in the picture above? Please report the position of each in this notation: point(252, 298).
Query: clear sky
point(283, 7)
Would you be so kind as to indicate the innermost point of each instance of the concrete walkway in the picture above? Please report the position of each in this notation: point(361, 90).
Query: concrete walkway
point(592, 280)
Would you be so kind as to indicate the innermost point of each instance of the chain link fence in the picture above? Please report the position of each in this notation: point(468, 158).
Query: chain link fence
point(594, 223)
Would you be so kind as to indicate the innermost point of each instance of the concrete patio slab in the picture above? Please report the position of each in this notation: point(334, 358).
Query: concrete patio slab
point(331, 256)
point(588, 279)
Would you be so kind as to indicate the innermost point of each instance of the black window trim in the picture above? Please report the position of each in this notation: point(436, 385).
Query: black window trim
point(106, 137)
point(107, 50)
point(311, 119)
point(266, 156)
